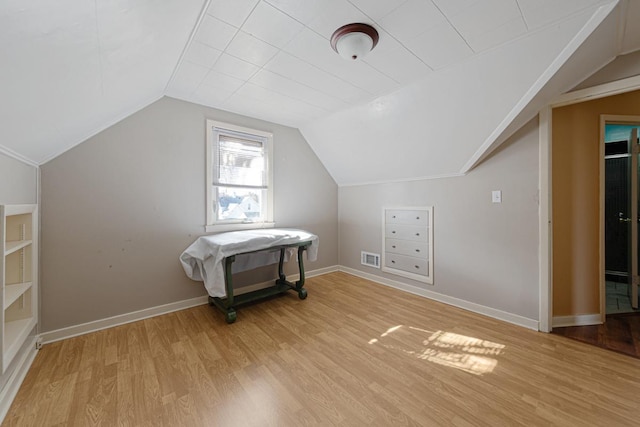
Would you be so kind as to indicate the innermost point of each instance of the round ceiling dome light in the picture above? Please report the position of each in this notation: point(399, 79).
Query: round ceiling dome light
point(353, 41)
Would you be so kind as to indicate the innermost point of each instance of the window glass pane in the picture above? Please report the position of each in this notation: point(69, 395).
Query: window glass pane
point(239, 204)
point(238, 175)
point(240, 162)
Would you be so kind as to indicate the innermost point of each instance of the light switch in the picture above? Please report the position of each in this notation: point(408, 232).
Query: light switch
point(496, 196)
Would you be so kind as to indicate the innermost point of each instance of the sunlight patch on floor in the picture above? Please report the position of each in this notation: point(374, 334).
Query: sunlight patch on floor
point(469, 354)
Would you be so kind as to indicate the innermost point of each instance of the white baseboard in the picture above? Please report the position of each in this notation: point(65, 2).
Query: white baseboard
point(14, 382)
point(579, 320)
point(121, 319)
point(456, 302)
point(97, 325)
point(318, 272)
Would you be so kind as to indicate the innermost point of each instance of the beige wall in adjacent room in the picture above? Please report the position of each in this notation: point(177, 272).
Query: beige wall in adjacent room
point(576, 201)
point(119, 209)
point(484, 253)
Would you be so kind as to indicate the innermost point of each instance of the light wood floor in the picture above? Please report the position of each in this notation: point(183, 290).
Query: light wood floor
point(353, 353)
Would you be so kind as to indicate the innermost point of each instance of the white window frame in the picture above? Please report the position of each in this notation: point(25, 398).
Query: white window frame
point(213, 225)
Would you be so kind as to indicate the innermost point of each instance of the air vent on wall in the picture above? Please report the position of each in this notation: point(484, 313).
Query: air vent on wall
point(372, 260)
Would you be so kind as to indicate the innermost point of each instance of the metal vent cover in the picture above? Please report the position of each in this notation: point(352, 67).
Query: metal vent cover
point(370, 259)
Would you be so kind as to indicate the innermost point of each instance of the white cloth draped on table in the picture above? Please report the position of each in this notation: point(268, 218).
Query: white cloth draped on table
point(204, 258)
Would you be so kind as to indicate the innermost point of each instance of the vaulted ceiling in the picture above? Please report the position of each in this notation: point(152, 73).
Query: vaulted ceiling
point(448, 81)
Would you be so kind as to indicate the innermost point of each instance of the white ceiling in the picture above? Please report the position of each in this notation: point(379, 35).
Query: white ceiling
point(444, 122)
point(272, 59)
point(71, 68)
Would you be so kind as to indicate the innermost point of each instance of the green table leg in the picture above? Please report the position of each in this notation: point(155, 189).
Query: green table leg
point(228, 305)
point(281, 275)
point(228, 281)
point(298, 286)
point(302, 293)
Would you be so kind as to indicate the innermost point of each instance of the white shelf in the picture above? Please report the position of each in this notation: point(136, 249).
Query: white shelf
point(13, 292)
point(15, 333)
point(18, 278)
point(11, 247)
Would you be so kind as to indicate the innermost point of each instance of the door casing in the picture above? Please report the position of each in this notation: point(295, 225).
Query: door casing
point(545, 252)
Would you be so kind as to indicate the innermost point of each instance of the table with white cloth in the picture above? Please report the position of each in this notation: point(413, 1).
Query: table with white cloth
point(212, 258)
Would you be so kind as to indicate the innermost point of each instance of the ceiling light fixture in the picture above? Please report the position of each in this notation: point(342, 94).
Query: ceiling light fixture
point(353, 41)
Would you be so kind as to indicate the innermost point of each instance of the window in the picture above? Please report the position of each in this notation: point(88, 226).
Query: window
point(239, 177)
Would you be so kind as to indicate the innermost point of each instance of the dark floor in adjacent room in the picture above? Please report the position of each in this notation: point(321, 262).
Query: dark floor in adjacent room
point(620, 332)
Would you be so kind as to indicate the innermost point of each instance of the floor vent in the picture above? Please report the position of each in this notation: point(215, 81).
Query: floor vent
point(372, 260)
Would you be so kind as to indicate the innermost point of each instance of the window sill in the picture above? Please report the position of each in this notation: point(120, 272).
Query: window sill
point(238, 226)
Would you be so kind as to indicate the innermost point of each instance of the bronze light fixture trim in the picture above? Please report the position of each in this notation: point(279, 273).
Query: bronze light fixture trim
point(353, 41)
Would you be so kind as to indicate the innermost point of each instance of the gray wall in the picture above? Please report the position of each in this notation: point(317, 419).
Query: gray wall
point(118, 210)
point(18, 182)
point(484, 253)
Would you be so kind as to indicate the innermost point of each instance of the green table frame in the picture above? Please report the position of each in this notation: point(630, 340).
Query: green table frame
point(229, 304)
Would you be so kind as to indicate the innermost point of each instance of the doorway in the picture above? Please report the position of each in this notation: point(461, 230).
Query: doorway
point(620, 139)
point(619, 258)
point(572, 169)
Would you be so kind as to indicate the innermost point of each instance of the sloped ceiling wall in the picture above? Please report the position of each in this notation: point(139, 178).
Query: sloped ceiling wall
point(594, 46)
point(73, 68)
point(435, 126)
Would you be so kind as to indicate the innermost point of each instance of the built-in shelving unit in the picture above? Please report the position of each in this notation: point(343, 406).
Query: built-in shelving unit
point(18, 237)
point(407, 234)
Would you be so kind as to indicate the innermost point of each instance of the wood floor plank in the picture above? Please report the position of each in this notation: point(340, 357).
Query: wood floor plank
point(620, 332)
point(354, 353)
